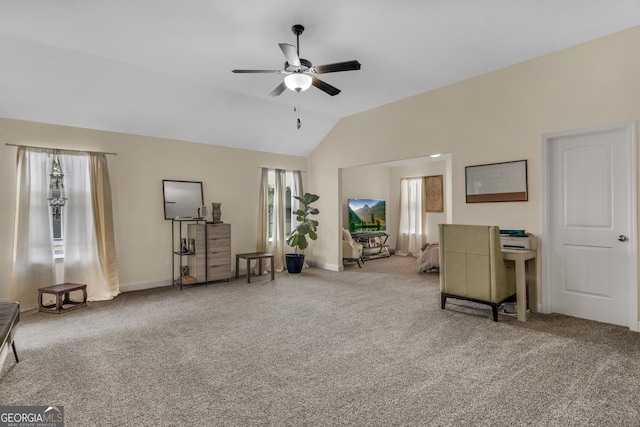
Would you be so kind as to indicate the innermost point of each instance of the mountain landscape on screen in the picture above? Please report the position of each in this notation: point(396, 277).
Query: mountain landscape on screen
point(367, 215)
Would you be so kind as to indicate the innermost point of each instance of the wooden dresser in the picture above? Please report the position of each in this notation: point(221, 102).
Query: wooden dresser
point(212, 259)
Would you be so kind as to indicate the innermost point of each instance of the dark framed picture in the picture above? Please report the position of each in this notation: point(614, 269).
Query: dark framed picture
point(497, 182)
point(182, 199)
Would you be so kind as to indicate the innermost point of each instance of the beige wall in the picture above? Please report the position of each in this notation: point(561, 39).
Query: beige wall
point(495, 117)
point(491, 118)
point(143, 238)
point(409, 171)
point(382, 181)
point(363, 182)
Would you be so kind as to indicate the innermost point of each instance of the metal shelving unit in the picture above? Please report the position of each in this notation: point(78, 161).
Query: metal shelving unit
point(178, 254)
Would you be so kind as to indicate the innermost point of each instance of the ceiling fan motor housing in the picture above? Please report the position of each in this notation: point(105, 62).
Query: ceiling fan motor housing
point(297, 29)
point(305, 65)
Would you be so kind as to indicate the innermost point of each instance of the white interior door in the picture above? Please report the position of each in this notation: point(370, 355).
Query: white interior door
point(590, 232)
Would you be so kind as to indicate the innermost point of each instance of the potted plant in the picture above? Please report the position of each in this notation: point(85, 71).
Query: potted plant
point(306, 227)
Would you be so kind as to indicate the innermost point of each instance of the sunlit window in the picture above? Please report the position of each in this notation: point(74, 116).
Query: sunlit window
point(56, 201)
point(272, 189)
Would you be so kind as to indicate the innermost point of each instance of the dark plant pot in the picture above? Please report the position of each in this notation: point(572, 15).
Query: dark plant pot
point(295, 263)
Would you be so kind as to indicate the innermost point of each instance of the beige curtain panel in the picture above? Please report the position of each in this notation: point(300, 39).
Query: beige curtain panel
point(87, 226)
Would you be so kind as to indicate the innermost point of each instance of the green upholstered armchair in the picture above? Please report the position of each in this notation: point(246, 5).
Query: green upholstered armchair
point(472, 266)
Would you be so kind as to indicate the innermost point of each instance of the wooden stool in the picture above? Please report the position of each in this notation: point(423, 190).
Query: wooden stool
point(253, 255)
point(62, 297)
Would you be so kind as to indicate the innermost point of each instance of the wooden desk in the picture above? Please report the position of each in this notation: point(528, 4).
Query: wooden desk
point(254, 255)
point(521, 258)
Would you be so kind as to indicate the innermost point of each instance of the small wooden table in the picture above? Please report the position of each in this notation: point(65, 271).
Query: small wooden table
point(62, 297)
point(523, 289)
point(250, 256)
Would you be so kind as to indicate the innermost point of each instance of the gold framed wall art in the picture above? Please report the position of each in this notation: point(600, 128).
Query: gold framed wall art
point(433, 190)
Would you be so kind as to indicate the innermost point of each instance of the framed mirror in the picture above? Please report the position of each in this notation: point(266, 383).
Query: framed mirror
point(181, 199)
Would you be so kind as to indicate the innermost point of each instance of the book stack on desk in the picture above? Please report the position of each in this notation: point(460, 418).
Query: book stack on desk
point(513, 233)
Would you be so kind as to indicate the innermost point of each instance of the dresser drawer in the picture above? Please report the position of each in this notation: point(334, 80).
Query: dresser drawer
point(219, 272)
point(217, 258)
point(218, 245)
point(212, 258)
point(219, 231)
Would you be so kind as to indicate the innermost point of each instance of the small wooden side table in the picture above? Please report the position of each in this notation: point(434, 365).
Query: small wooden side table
point(62, 297)
point(250, 256)
point(521, 259)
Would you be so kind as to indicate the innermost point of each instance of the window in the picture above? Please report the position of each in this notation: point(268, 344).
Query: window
point(85, 223)
point(411, 205)
point(412, 230)
point(276, 211)
point(288, 198)
point(56, 201)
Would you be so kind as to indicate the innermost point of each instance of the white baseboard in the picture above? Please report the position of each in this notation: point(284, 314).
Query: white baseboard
point(130, 287)
point(633, 327)
point(324, 266)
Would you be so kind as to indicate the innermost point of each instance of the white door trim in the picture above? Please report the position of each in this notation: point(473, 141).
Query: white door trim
point(547, 140)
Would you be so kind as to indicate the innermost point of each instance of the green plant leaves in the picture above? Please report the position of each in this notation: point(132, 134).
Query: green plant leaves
point(307, 198)
point(306, 226)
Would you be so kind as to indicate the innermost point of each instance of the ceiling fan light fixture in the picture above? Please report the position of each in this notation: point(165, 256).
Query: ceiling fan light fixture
point(298, 81)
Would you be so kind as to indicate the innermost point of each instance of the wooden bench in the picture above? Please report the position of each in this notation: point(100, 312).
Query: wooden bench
point(62, 298)
point(9, 318)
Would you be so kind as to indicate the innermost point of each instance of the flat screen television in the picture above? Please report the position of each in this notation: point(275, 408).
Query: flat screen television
point(181, 198)
point(367, 215)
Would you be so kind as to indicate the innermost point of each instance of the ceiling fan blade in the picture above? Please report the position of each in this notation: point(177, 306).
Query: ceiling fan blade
point(325, 87)
point(277, 91)
point(338, 66)
point(291, 53)
point(257, 71)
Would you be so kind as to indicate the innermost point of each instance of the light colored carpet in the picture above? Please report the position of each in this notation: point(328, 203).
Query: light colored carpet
point(366, 346)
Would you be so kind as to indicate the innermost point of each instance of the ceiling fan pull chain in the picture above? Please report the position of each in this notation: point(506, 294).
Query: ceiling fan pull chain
point(297, 108)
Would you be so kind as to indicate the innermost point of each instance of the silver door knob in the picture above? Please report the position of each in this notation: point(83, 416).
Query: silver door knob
point(622, 238)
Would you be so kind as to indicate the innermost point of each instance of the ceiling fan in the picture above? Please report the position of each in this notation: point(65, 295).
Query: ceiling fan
point(300, 73)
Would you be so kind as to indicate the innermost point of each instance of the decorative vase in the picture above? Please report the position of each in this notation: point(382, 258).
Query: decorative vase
point(295, 262)
point(192, 246)
point(183, 246)
point(217, 213)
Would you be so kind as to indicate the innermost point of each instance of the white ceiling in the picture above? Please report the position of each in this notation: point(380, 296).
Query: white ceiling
point(163, 68)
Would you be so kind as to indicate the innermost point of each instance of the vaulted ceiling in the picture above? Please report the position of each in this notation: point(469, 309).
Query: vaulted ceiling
point(163, 68)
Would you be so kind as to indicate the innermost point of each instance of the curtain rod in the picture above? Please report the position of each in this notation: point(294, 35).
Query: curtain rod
point(292, 170)
point(61, 149)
